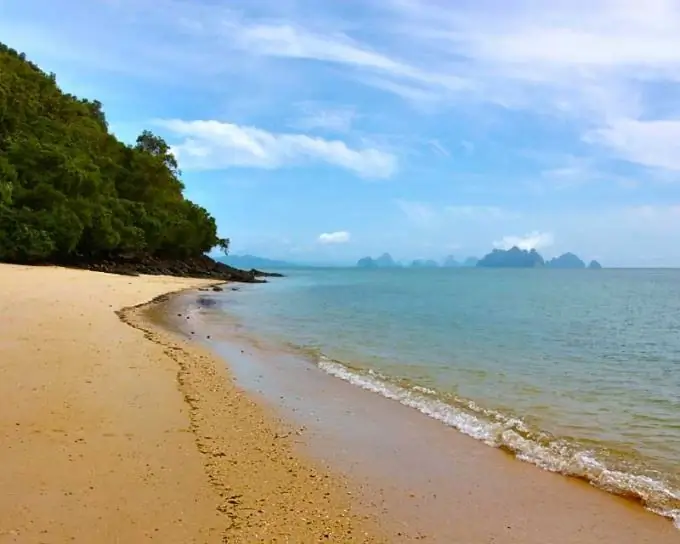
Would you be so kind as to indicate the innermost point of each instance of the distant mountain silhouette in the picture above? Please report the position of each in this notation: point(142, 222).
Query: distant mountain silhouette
point(367, 262)
point(247, 262)
point(421, 263)
point(511, 258)
point(568, 260)
point(470, 262)
point(384, 261)
point(521, 258)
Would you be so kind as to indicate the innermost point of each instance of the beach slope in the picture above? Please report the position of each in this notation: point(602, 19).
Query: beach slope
point(116, 433)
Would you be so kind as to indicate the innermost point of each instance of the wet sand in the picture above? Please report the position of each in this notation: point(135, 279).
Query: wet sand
point(426, 480)
point(118, 433)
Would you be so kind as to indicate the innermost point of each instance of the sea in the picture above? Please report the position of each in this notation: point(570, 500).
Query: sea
point(575, 371)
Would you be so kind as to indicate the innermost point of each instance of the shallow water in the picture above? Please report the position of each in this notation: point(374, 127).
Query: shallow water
point(575, 371)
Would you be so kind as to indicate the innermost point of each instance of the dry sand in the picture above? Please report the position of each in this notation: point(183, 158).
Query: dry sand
point(117, 433)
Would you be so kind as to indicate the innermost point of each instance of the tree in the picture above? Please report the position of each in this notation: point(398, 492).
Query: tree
point(148, 142)
point(223, 244)
point(70, 189)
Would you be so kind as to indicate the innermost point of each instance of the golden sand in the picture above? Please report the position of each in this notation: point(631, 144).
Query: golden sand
point(118, 433)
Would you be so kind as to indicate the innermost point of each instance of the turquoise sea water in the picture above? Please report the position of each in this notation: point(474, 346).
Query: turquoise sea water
point(575, 371)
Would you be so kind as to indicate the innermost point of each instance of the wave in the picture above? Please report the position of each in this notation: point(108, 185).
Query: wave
point(513, 435)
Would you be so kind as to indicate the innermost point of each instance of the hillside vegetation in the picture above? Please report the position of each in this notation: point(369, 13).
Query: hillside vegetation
point(70, 191)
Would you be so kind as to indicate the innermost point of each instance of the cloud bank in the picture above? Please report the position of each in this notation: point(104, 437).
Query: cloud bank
point(213, 145)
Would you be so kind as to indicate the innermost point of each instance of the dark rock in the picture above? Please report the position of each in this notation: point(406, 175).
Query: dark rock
point(260, 274)
point(192, 267)
point(217, 288)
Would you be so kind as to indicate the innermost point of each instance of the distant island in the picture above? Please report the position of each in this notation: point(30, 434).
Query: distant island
point(522, 258)
point(498, 258)
point(511, 258)
point(384, 261)
point(452, 262)
point(567, 260)
point(421, 263)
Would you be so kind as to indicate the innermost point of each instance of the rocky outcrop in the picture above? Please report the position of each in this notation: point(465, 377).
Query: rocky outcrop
point(195, 267)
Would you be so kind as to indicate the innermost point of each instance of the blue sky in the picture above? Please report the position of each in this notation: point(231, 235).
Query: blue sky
point(328, 130)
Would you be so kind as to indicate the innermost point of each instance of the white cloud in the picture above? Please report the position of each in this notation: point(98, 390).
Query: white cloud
point(430, 216)
point(478, 212)
point(650, 143)
point(532, 240)
point(437, 146)
point(291, 41)
point(338, 237)
point(211, 145)
point(420, 214)
point(333, 119)
point(662, 217)
point(287, 40)
point(602, 70)
point(610, 71)
point(419, 96)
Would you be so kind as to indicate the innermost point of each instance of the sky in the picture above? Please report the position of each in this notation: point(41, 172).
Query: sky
point(324, 131)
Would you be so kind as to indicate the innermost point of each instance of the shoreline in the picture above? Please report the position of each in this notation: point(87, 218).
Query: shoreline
point(111, 433)
point(305, 502)
point(346, 425)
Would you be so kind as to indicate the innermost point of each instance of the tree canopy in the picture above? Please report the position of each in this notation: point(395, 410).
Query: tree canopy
point(69, 189)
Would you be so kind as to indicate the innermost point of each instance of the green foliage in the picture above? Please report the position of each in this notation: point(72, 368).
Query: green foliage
point(69, 189)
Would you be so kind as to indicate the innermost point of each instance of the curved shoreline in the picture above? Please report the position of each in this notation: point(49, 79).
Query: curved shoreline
point(112, 433)
point(427, 477)
point(291, 497)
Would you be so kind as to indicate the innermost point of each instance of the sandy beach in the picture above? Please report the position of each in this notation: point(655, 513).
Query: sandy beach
point(114, 429)
point(119, 433)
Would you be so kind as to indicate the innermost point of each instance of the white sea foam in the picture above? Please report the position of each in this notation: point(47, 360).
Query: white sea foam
point(513, 434)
